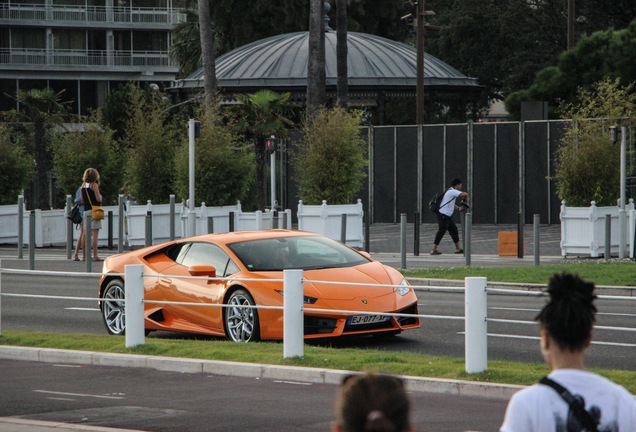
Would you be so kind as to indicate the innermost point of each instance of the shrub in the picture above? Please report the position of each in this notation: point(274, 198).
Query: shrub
point(16, 168)
point(331, 162)
point(587, 162)
point(224, 166)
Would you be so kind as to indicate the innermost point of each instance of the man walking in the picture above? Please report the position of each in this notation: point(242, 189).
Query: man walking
point(445, 216)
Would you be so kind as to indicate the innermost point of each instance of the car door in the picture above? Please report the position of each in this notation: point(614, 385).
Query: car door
point(200, 290)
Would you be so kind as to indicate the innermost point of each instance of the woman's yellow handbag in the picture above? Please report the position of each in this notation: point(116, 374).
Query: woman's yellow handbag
point(97, 212)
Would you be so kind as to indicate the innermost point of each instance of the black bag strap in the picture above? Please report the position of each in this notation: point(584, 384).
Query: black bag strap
point(444, 193)
point(590, 424)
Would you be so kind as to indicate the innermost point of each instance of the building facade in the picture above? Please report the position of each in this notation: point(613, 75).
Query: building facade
point(84, 47)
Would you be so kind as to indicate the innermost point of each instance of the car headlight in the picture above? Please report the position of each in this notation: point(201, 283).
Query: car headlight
point(306, 299)
point(404, 288)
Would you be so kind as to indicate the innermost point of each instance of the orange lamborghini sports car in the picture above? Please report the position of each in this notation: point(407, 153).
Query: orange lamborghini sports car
point(250, 260)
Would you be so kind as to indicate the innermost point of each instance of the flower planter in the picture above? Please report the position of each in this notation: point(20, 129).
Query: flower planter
point(583, 230)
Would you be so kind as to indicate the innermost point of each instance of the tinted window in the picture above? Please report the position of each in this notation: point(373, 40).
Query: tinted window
point(310, 252)
point(206, 253)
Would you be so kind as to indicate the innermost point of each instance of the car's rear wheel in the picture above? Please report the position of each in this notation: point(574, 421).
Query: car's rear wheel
point(113, 307)
point(241, 323)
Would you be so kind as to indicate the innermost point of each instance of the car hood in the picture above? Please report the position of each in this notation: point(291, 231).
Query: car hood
point(371, 273)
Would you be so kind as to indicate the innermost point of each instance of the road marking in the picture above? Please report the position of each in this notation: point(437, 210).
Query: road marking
point(67, 365)
point(77, 394)
point(537, 310)
point(293, 382)
point(505, 336)
point(82, 309)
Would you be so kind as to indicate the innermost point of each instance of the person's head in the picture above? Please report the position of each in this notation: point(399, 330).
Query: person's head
point(372, 402)
point(569, 315)
point(91, 176)
point(456, 183)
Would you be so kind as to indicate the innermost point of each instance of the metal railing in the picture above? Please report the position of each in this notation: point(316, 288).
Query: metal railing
point(88, 58)
point(87, 14)
point(475, 291)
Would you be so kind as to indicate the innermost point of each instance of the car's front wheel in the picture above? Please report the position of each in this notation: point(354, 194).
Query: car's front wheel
point(241, 323)
point(113, 307)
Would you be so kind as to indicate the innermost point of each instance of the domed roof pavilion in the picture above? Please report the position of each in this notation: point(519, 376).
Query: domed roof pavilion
point(378, 69)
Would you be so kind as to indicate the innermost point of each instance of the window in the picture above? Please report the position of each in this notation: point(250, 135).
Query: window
point(207, 254)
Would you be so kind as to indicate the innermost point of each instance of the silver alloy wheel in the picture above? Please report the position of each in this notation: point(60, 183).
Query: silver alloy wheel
point(113, 308)
point(241, 324)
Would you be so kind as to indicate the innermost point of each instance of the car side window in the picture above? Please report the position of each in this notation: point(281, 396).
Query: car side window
point(206, 253)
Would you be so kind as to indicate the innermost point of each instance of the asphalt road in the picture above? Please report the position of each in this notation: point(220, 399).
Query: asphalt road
point(152, 400)
point(516, 340)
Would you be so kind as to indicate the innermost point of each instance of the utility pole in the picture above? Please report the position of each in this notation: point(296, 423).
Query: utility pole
point(570, 24)
point(417, 18)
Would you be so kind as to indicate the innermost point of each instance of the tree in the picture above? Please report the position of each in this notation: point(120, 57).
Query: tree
point(316, 59)
point(604, 54)
point(208, 55)
point(150, 150)
point(93, 146)
point(186, 45)
point(331, 161)
point(43, 108)
point(587, 166)
point(341, 53)
point(16, 167)
point(260, 115)
point(224, 165)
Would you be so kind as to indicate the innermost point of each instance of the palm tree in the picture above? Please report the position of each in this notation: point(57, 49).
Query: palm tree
point(262, 114)
point(341, 53)
point(316, 62)
point(186, 46)
point(43, 108)
point(208, 55)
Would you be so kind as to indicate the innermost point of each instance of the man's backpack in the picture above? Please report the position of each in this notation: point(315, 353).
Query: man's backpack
point(436, 202)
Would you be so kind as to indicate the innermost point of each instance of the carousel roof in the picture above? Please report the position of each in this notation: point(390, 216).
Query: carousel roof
point(280, 62)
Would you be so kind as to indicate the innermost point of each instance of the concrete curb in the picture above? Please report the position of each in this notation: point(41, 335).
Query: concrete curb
point(247, 370)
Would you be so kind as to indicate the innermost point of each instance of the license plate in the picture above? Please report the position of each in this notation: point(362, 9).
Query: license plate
point(368, 319)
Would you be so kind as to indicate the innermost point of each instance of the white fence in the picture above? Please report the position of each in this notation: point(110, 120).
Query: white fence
point(475, 317)
point(51, 227)
point(328, 220)
point(583, 230)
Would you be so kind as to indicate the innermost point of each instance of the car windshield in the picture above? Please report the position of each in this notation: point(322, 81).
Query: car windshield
point(306, 253)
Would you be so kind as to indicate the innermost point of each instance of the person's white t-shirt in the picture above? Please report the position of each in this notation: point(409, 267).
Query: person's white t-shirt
point(447, 206)
point(540, 408)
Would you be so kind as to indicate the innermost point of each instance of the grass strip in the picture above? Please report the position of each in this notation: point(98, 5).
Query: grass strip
point(353, 359)
point(601, 272)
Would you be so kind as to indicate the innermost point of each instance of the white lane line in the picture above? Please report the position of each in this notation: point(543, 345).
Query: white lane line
point(619, 344)
point(67, 365)
point(81, 309)
point(78, 394)
point(293, 382)
point(60, 399)
point(537, 310)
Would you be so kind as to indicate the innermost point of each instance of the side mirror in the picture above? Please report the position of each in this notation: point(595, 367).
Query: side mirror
point(203, 270)
point(365, 254)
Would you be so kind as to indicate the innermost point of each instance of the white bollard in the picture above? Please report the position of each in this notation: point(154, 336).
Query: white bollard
point(0, 298)
point(293, 320)
point(476, 325)
point(134, 295)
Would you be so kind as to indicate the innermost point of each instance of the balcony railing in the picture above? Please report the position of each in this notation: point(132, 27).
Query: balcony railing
point(72, 58)
point(89, 14)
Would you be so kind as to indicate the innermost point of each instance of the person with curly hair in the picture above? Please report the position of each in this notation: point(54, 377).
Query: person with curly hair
point(570, 398)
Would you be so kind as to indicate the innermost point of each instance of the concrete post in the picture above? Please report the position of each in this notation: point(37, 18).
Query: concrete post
point(293, 319)
point(134, 307)
point(476, 333)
